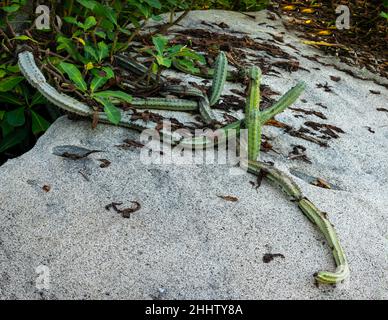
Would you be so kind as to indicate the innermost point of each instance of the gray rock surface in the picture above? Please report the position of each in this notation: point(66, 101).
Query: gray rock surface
point(185, 241)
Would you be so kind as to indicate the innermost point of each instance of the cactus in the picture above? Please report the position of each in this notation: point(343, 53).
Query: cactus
point(317, 217)
point(220, 71)
point(254, 119)
point(253, 114)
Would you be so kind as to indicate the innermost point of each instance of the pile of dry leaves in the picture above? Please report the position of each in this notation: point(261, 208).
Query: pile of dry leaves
point(364, 44)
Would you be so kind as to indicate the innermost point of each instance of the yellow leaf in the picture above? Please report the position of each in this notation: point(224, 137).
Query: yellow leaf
point(80, 40)
point(289, 8)
point(321, 43)
point(324, 33)
point(89, 66)
point(307, 10)
point(308, 21)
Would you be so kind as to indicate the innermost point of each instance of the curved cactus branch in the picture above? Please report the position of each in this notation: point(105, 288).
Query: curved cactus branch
point(314, 215)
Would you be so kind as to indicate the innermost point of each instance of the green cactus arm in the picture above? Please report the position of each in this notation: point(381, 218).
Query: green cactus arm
point(254, 134)
point(253, 97)
point(314, 215)
point(327, 229)
point(220, 136)
point(253, 114)
point(220, 71)
point(277, 177)
point(162, 104)
point(206, 112)
point(284, 102)
point(209, 74)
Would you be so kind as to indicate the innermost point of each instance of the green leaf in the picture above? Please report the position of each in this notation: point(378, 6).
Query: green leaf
point(154, 68)
point(156, 18)
point(164, 61)
point(6, 128)
point(103, 51)
point(24, 38)
point(114, 94)
point(39, 124)
point(97, 82)
point(107, 26)
point(159, 43)
point(100, 34)
point(12, 8)
point(89, 22)
point(71, 20)
point(154, 4)
point(38, 99)
point(68, 45)
point(109, 13)
point(9, 83)
point(10, 98)
point(75, 75)
point(100, 77)
point(125, 31)
point(15, 117)
point(189, 65)
point(113, 113)
point(145, 10)
point(13, 69)
point(12, 139)
point(91, 52)
point(108, 71)
point(2, 113)
point(384, 15)
point(88, 4)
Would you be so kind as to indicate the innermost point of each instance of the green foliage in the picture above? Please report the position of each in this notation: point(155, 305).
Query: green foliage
point(385, 14)
point(13, 6)
point(164, 55)
point(239, 5)
point(102, 97)
point(20, 109)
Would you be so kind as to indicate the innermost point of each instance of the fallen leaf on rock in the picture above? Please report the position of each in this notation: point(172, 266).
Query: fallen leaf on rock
point(334, 78)
point(72, 152)
point(321, 183)
point(370, 130)
point(277, 124)
point(104, 163)
point(223, 25)
point(125, 213)
point(228, 198)
point(268, 257)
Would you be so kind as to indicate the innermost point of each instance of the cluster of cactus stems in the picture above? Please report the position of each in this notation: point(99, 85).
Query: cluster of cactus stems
point(254, 120)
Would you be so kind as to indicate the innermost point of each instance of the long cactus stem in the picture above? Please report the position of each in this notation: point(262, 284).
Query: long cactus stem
point(277, 177)
point(284, 102)
point(220, 71)
point(208, 73)
point(316, 216)
point(320, 220)
point(252, 113)
point(206, 112)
